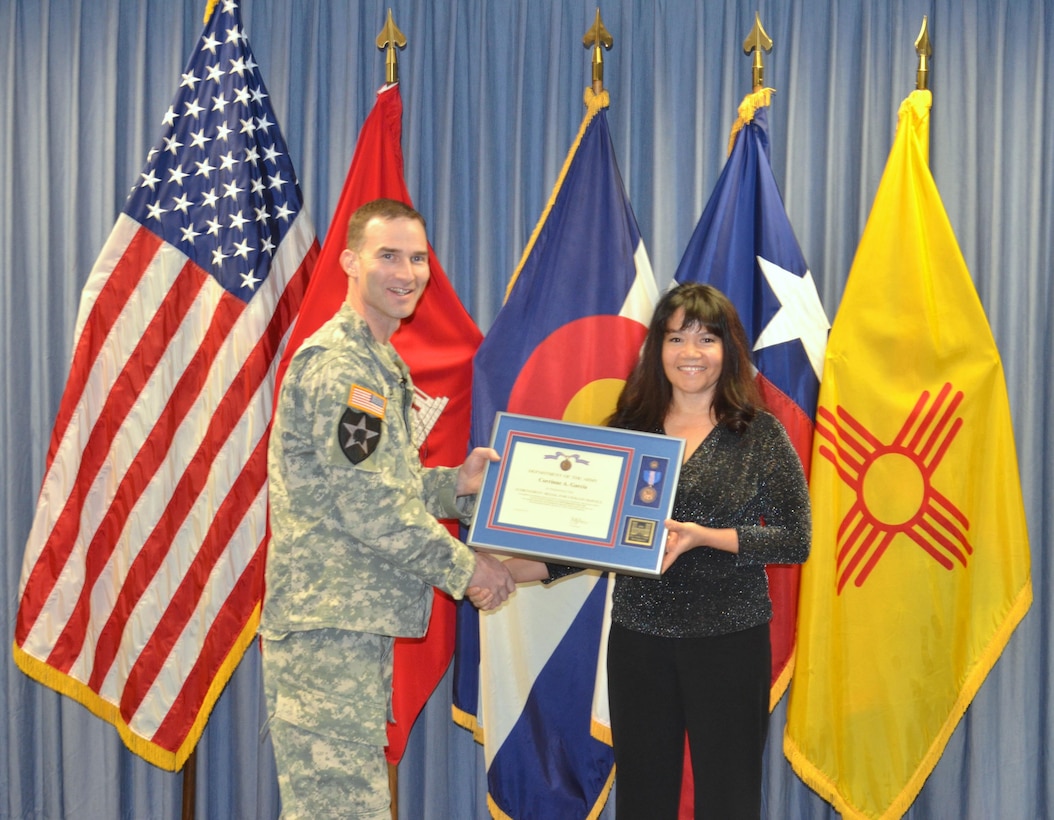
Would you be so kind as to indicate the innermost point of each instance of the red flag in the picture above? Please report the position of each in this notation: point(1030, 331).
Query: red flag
point(438, 344)
point(143, 573)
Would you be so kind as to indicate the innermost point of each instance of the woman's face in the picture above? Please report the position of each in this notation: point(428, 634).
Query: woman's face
point(691, 358)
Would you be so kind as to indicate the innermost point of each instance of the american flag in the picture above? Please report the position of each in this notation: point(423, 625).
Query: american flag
point(143, 571)
point(367, 400)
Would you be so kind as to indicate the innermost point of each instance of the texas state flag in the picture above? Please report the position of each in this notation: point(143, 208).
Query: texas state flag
point(745, 247)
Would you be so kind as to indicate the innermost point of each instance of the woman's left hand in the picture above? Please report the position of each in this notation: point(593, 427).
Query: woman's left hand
point(682, 536)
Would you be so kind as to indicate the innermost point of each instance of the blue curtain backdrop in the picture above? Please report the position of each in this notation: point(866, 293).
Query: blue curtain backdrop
point(493, 98)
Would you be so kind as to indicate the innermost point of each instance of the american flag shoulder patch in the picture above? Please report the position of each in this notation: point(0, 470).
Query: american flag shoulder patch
point(364, 399)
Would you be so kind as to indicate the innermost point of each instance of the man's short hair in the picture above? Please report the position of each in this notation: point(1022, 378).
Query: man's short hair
point(386, 209)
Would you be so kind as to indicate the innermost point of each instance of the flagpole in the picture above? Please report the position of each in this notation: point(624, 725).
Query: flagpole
point(188, 807)
point(188, 797)
point(757, 41)
point(190, 781)
point(925, 51)
point(596, 37)
point(389, 40)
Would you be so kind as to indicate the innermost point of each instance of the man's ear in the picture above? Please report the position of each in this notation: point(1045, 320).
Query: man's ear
point(349, 261)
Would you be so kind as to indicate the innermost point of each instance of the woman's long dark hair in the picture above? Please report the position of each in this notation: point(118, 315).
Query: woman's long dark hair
point(645, 399)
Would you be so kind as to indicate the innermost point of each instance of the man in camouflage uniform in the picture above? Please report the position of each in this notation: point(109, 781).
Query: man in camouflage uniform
point(355, 544)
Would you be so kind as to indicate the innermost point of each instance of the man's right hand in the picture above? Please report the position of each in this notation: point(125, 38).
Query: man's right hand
point(491, 583)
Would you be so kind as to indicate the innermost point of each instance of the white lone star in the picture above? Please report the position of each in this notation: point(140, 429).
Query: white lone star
point(800, 316)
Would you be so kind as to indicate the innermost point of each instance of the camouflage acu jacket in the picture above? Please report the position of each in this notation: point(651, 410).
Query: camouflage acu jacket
point(355, 543)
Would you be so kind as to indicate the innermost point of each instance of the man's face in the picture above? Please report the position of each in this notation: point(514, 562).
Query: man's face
point(388, 275)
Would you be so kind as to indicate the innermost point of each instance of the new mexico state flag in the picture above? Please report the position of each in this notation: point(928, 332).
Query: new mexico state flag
point(919, 569)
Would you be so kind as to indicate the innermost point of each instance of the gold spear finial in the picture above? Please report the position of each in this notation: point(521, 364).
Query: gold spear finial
point(757, 41)
point(596, 37)
point(391, 38)
point(925, 51)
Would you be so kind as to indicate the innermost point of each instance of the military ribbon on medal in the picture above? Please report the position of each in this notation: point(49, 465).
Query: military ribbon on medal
point(566, 460)
point(651, 473)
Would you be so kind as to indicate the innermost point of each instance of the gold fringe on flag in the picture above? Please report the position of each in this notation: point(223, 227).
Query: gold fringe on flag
point(751, 103)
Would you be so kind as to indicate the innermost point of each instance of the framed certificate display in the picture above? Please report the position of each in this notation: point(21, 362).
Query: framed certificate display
point(578, 494)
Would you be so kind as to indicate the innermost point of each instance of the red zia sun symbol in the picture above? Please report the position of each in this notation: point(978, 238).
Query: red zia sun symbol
point(893, 485)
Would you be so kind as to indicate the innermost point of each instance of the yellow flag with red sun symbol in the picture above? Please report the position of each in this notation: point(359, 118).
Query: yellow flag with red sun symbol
point(919, 570)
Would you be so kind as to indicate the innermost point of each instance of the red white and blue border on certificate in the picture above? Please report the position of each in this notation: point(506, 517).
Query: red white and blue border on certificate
point(578, 494)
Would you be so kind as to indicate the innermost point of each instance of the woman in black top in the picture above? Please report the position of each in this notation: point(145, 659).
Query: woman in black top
point(689, 651)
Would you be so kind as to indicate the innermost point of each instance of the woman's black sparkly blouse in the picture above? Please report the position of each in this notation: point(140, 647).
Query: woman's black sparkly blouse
point(752, 481)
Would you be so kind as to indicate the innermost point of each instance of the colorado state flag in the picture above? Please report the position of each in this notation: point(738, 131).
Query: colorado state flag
point(745, 247)
point(919, 570)
point(561, 347)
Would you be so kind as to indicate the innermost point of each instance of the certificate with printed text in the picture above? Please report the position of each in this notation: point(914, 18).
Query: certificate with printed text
point(578, 494)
